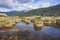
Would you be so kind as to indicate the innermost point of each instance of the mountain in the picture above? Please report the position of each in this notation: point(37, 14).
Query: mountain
point(50, 11)
point(13, 12)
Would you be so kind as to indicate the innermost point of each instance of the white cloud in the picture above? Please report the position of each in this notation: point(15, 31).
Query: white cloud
point(4, 10)
point(45, 4)
point(37, 5)
point(15, 5)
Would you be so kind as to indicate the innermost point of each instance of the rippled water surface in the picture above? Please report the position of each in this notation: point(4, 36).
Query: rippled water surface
point(24, 31)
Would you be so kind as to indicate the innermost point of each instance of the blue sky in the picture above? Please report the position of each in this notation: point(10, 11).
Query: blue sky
point(19, 5)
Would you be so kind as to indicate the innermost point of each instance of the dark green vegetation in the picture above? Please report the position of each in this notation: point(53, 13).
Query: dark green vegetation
point(50, 11)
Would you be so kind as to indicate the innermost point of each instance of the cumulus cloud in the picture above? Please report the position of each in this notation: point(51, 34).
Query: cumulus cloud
point(25, 1)
point(19, 5)
point(45, 4)
point(40, 4)
point(4, 10)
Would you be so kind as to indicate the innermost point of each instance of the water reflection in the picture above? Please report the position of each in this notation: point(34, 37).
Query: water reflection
point(29, 32)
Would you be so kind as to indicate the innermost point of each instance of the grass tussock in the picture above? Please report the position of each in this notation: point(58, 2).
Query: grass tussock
point(38, 21)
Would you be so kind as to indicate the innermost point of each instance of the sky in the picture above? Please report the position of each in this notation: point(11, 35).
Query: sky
point(19, 5)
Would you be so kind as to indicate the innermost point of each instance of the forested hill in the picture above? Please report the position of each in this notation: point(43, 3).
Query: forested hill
point(50, 11)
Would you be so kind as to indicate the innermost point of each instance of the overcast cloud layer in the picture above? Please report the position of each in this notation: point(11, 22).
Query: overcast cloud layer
point(19, 5)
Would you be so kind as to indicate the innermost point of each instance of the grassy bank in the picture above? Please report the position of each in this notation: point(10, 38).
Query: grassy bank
point(38, 21)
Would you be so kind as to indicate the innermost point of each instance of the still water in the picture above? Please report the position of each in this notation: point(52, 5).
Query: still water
point(23, 31)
